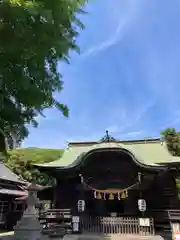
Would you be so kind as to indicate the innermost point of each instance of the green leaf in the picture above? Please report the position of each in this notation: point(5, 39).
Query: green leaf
point(20, 162)
point(43, 32)
point(172, 138)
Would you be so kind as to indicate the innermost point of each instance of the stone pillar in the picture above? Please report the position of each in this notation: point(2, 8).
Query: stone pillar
point(29, 227)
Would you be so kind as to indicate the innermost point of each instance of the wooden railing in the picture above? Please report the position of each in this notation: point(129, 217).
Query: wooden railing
point(165, 216)
point(174, 215)
point(55, 213)
point(56, 222)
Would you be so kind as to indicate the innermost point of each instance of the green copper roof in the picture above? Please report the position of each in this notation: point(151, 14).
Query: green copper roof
point(149, 152)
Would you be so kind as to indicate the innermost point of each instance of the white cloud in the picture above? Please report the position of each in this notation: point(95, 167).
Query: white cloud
point(112, 40)
point(120, 126)
point(128, 11)
point(160, 56)
point(144, 109)
point(129, 119)
point(157, 68)
point(113, 129)
point(134, 134)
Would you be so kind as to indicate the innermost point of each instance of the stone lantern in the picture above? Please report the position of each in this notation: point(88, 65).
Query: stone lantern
point(29, 227)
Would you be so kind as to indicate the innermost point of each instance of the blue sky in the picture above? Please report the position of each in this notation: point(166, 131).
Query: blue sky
point(126, 79)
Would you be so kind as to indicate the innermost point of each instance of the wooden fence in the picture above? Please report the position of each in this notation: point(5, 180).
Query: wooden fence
point(116, 225)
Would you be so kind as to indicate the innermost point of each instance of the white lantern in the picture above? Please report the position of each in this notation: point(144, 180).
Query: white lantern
point(142, 205)
point(81, 205)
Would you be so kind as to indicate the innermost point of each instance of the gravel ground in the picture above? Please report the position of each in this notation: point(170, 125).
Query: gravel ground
point(111, 237)
point(9, 236)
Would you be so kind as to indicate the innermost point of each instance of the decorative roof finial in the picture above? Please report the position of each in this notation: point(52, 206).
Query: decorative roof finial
point(108, 138)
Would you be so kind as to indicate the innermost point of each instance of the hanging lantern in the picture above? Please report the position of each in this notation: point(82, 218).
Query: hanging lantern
point(126, 193)
point(81, 205)
point(123, 195)
point(142, 205)
point(111, 196)
point(95, 195)
point(99, 195)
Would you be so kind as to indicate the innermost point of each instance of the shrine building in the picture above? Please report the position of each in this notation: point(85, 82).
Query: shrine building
point(114, 178)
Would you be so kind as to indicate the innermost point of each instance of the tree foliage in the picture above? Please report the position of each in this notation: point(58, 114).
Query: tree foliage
point(35, 36)
point(172, 138)
point(20, 162)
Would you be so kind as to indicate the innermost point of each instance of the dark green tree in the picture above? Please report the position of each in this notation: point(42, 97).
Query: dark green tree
point(20, 162)
point(172, 138)
point(34, 36)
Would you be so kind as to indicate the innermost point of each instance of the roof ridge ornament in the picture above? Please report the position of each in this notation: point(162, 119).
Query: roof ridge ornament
point(108, 138)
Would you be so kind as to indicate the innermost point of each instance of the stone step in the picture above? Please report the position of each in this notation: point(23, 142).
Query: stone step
point(110, 237)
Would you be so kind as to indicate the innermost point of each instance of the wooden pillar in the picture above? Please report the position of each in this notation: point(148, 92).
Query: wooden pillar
point(81, 195)
point(130, 203)
point(53, 203)
point(76, 212)
point(58, 192)
point(141, 195)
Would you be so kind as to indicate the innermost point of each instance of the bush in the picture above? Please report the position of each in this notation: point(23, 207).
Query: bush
point(20, 162)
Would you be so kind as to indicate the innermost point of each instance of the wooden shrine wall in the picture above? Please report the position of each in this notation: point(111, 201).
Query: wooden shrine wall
point(162, 194)
point(110, 170)
point(117, 170)
point(67, 194)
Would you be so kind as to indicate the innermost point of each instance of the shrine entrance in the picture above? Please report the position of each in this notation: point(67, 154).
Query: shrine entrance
point(114, 207)
point(107, 208)
point(111, 188)
point(104, 207)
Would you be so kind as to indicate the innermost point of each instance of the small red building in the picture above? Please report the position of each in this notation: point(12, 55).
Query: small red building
point(11, 189)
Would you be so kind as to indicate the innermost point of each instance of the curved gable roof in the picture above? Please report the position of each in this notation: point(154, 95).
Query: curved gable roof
point(146, 152)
